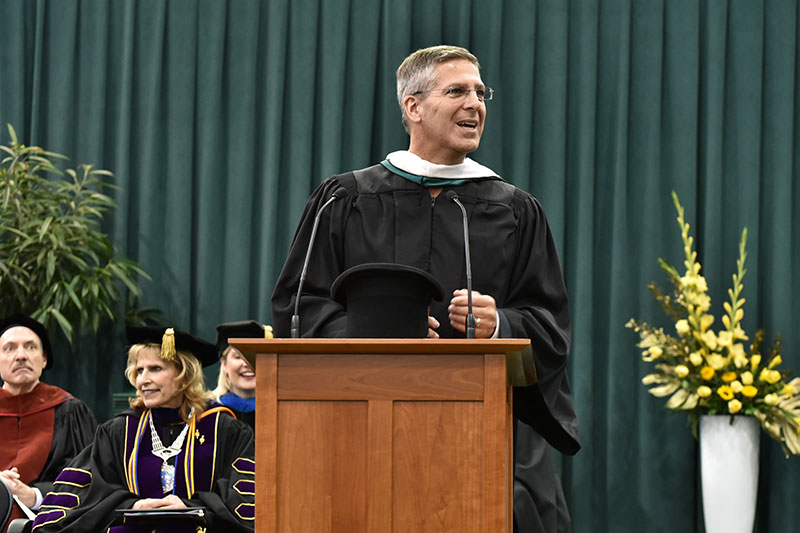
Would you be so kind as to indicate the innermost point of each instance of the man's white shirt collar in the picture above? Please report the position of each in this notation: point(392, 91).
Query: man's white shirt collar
point(413, 164)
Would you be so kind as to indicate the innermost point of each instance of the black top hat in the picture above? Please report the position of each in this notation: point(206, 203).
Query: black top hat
point(246, 329)
point(33, 325)
point(386, 300)
point(171, 340)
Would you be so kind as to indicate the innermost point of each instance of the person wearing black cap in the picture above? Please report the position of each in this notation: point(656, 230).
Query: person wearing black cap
point(42, 426)
point(236, 386)
point(407, 210)
point(169, 452)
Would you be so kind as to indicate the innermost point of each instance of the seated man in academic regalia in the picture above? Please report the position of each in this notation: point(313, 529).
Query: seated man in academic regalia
point(42, 426)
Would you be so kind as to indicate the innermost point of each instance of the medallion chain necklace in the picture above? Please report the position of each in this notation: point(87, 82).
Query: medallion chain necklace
point(167, 453)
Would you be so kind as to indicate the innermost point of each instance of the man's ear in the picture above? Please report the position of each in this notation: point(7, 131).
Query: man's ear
point(413, 108)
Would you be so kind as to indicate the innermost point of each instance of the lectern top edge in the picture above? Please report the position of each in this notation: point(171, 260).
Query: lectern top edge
point(431, 346)
point(519, 356)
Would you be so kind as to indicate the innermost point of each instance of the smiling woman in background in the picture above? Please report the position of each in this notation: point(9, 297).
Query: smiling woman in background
point(236, 387)
point(170, 451)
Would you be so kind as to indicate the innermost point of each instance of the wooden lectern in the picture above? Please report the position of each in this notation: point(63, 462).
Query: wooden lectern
point(385, 435)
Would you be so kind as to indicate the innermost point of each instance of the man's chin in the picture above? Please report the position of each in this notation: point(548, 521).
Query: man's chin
point(470, 145)
point(24, 377)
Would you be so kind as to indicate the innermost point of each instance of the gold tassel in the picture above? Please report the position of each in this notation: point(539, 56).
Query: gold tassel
point(168, 345)
point(267, 332)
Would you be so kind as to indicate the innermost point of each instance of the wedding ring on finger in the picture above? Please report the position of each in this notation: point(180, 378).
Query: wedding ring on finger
point(477, 322)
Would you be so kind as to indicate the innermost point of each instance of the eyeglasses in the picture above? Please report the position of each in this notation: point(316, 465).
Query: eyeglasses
point(458, 93)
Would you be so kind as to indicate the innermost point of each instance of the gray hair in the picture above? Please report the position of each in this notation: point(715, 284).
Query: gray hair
point(416, 72)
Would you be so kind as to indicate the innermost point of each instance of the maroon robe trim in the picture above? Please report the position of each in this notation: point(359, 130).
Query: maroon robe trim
point(26, 423)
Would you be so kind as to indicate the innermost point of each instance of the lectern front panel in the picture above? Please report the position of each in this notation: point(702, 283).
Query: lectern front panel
point(382, 443)
point(437, 465)
point(322, 466)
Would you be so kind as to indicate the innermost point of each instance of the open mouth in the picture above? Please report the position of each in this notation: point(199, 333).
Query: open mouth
point(468, 124)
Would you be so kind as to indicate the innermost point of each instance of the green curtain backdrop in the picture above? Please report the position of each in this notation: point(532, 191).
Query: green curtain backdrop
point(218, 118)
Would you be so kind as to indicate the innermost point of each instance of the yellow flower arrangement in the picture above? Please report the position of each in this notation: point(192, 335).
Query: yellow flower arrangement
point(703, 371)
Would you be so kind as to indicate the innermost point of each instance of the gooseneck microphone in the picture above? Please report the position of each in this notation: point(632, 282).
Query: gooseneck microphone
point(470, 329)
point(341, 192)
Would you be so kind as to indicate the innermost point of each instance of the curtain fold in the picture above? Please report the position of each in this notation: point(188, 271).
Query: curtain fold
point(219, 117)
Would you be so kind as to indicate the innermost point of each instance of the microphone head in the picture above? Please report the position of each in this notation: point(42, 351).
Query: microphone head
point(452, 195)
point(341, 192)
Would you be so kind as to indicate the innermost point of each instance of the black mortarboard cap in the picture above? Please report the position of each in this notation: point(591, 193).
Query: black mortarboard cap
point(246, 329)
point(172, 340)
point(33, 325)
point(386, 300)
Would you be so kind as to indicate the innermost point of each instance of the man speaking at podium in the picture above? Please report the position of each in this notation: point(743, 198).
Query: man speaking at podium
point(407, 210)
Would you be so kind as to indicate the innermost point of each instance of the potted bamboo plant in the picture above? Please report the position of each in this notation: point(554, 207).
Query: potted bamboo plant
point(56, 263)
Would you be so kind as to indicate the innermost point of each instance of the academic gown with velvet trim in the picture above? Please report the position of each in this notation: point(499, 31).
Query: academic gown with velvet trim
point(99, 481)
point(248, 417)
point(386, 218)
point(48, 417)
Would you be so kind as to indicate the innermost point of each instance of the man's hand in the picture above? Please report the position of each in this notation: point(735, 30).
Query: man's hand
point(19, 489)
point(432, 325)
point(483, 307)
point(167, 502)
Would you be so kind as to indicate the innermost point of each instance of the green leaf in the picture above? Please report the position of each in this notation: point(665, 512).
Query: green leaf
point(70, 290)
point(123, 277)
point(63, 323)
point(51, 267)
point(677, 399)
point(664, 390)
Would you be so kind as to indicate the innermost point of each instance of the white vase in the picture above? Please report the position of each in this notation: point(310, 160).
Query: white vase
point(729, 472)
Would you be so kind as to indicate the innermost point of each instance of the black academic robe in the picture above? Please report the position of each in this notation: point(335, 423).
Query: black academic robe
point(248, 417)
point(386, 218)
point(74, 425)
point(215, 470)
